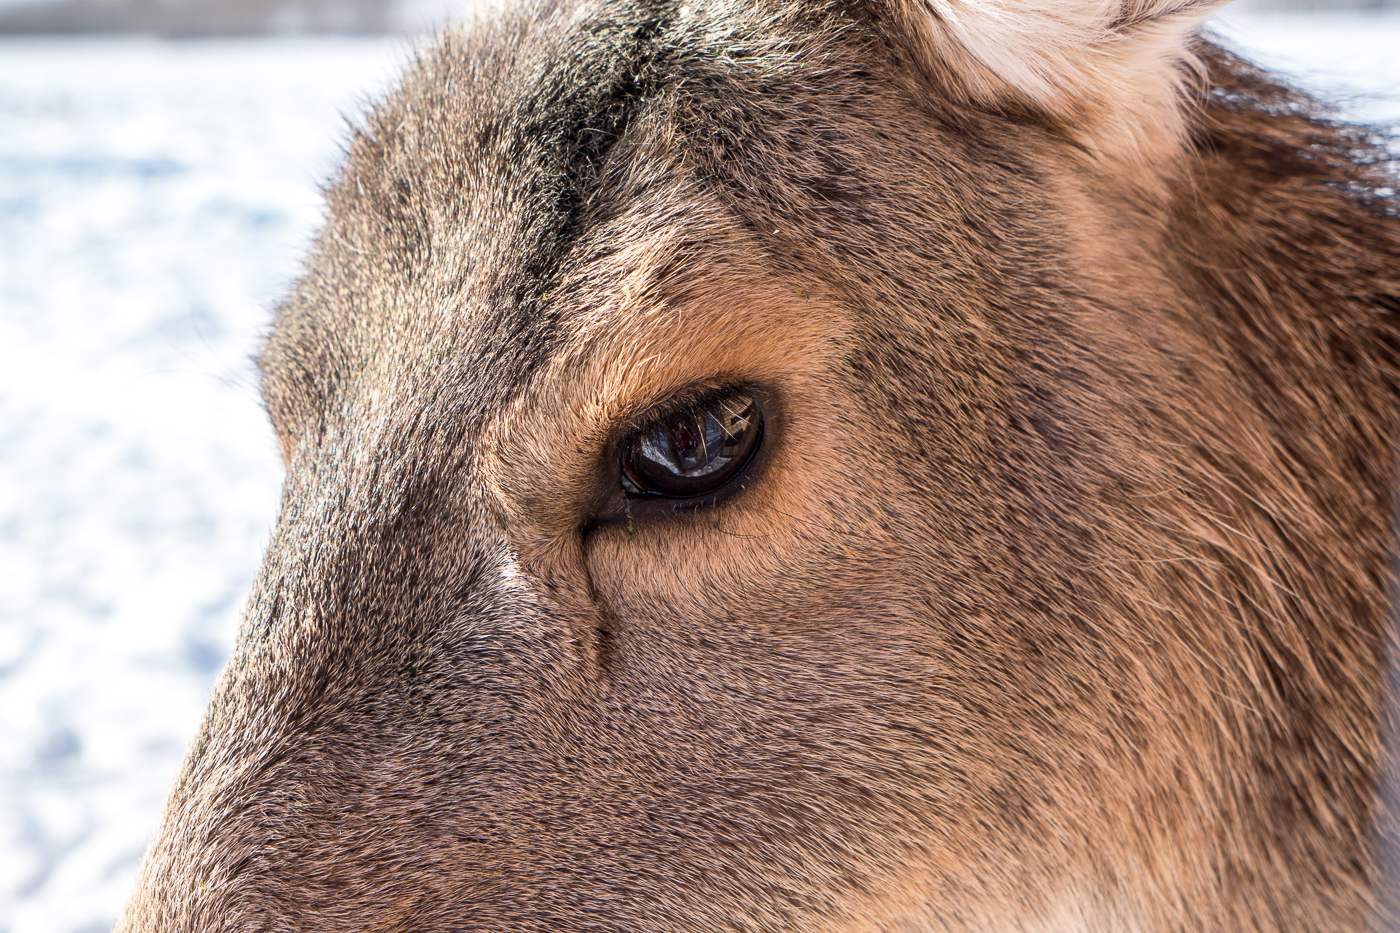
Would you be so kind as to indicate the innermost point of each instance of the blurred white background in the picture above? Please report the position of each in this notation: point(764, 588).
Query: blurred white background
point(154, 199)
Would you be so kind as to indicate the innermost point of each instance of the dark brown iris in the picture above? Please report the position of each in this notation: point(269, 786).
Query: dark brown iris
point(695, 451)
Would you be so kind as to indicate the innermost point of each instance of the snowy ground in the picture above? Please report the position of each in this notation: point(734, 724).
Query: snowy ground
point(153, 202)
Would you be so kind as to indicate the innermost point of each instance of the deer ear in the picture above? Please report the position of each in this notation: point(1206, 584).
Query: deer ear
point(1108, 71)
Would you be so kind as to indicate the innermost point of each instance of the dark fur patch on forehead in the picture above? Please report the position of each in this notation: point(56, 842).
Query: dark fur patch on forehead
point(569, 122)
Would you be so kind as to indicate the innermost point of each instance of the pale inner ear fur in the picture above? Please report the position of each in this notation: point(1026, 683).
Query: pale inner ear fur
point(1109, 73)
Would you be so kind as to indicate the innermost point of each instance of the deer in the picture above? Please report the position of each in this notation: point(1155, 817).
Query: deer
point(821, 465)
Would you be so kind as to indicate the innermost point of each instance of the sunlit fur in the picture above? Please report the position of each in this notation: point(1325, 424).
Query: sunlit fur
point(1111, 73)
point(1055, 599)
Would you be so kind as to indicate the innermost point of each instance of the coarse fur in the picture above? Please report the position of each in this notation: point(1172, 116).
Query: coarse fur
point(1054, 600)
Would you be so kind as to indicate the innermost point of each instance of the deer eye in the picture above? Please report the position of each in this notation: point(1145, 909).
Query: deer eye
point(693, 451)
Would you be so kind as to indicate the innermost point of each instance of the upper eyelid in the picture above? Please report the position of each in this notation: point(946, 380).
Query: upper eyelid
point(687, 399)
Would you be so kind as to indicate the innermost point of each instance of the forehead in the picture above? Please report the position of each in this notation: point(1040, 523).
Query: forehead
point(533, 163)
point(462, 196)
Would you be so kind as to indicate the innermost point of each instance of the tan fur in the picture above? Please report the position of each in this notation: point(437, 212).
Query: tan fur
point(1054, 600)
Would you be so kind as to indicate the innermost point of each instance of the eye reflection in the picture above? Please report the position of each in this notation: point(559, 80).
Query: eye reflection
point(695, 451)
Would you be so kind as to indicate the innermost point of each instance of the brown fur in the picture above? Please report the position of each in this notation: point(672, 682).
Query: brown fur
point(1055, 599)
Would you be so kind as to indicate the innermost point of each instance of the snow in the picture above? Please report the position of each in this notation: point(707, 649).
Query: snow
point(1350, 57)
point(154, 199)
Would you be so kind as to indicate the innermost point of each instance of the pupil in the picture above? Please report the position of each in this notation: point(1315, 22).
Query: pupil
point(688, 445)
